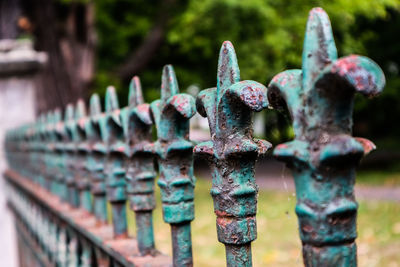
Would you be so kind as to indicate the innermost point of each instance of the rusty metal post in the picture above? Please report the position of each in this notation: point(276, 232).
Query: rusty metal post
point(112, 134)
point(96, 160)
point(140, 173)
point(81, 173)
point(41, 149)
point(50, 156)
point(60, 156)
point(324, 155)
point(171, 115)
point(69, 150)
point(232, 154)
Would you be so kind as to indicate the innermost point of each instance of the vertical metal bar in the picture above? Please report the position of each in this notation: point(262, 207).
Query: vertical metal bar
point(232, 154)
point(171, 115)
point(182, 244)
point(140, 173)
point(324, 155)
point(112, 134)
point(81, 173)
point(70, 159)
point(96, 160)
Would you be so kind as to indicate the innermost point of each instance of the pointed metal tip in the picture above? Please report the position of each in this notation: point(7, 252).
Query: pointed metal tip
point(135, 92)
point(95, 106)
point(169, 83)
point(111, 99)
point(228, 67)
point(318, 10)
point(227, 50)
point(319, 47)
point(69, 112)
point(80, 109)
point(57, 115)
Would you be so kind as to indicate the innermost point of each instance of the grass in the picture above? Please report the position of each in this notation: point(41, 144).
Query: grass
point(278, 240)
point(379, 178)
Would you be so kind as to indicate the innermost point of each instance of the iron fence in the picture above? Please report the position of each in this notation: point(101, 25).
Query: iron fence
point(64, 171)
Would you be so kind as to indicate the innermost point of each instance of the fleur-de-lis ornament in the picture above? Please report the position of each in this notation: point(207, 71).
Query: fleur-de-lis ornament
point(232, 154)
point(324, 155)
point(171, 115)
point(49, 157)
point(60, 155)
point(70, 159)
point(96, 159)
point(40, 148)
point(140, 173)
point(114, 169)
point(79, 138)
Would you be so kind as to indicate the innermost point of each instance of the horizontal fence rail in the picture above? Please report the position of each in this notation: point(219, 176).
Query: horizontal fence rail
point(64, 172)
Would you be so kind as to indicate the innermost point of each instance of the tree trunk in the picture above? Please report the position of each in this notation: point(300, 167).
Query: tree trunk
point(66, 33)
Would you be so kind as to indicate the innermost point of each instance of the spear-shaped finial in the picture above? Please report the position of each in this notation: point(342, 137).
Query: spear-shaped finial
point(135, 97)
point(324, 155)
point(140, 173)
point(112, 135)
point(171, 115)
point(95, 105)
point(82, 149)
point(232, 154)
point(69, 148)
point(96, 158)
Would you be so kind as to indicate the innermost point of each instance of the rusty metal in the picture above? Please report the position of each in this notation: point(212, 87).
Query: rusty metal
point(35, 207)
point(81, 171)
point(96, 160)
point(63, 171)
point(232, 154)
point(140, 173)
point(171, 116)
point(70, 155)
point(114, 169)
point(324, 155)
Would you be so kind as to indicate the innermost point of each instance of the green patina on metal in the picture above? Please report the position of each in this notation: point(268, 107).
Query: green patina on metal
point(60, 156)
point(70, 159)
point(232, 154)
point(171, 115)
point(81, 174)
point(50, 156)
point(140, 173)
point(114, 169)
point(41, 149)
point(96, 159)
point(324, 155)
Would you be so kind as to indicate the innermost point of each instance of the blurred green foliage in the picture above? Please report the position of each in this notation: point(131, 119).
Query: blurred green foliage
point(267, 35)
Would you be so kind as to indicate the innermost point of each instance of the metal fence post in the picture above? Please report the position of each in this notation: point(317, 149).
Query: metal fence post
point(232, 154)
point(81, 174)
point(171, 115)
point(70, 160)
point(112, 134)
point(140, 173)
point(324, 155)
point(96, 160)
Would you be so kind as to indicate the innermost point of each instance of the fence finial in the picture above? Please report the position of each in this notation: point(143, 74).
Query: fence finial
point(140, 173)
point(80, 109)
point(232, 154)
point(324, 155)
point(111, 99)
point(169, 83)
point(113, 138)
point(96, 159)
point(95, 105)
point(135, 92)
point(171, 115)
